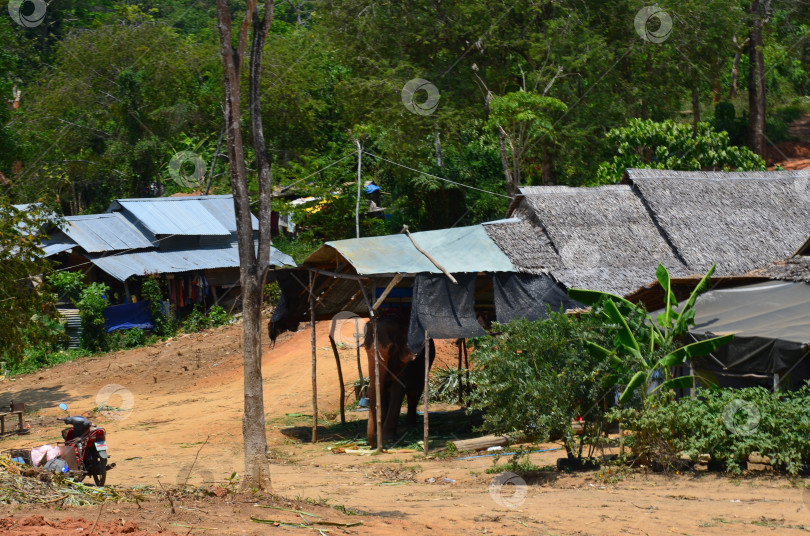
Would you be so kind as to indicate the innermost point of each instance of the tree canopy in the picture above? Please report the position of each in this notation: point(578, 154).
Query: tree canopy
point(549, 93)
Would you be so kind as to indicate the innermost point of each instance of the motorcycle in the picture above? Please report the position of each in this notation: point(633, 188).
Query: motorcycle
point(88, 444)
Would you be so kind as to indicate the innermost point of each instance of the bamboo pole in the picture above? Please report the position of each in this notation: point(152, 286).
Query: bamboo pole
point(357, 348)
point(460, 383)
point(429, 257)
point(314, 362)
point(377, 397)
point(427, 390)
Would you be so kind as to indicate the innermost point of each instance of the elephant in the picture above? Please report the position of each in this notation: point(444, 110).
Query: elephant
point(401, 374)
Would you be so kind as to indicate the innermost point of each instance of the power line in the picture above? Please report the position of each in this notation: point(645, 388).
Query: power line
point(437, 177)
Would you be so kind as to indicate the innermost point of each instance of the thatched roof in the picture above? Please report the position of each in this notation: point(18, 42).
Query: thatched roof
point(529, 248)
point(605, 238)
point(740, 220)
point(792, 269)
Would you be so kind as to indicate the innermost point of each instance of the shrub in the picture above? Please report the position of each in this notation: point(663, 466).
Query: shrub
point(91, 310)
point(728, 424)
point(124, 339)
point(165, 325)
point(198, 319)
point(534, 378)
point(68, 285)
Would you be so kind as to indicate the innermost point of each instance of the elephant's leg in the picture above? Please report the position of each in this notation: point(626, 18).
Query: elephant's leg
point(415, 382)
point(395, 397)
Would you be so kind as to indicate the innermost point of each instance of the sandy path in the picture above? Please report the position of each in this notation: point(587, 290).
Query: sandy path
point(176, 406)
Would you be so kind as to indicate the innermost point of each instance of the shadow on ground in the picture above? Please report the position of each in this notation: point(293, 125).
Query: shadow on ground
point(36, 398)
point(444, 426)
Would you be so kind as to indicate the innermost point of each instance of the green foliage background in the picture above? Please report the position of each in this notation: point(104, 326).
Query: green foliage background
point(112, 90)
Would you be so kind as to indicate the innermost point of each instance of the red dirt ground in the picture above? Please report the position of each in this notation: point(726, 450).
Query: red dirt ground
point(188, 390)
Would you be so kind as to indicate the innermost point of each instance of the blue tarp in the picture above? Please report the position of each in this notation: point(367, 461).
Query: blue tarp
point(127, 316)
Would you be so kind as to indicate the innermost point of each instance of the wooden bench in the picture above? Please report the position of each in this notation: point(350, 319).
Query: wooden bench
point(17, 409)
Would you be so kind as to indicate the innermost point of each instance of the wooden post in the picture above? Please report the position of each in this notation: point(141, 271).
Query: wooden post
point(357, 348)
point(377, 397)
point(340, 379)
point(693, 390)
point(460, 384)
point(427, 389)
point(314, 362)
point(466, 365)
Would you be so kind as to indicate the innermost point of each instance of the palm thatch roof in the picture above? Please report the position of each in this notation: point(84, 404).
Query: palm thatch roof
point(604, 237)
point(791, 269)
point(528, 247)
point(740, 220)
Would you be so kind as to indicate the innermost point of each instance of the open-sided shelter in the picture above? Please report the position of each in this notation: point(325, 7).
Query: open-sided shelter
point(443, 284)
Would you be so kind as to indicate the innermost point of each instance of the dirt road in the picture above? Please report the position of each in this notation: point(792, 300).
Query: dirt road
point(180, 398)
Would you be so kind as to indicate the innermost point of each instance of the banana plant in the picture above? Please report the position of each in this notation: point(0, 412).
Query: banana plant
point(644, 349)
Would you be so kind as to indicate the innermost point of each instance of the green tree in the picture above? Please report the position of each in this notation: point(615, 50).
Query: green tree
point(25, 301)
point(671, 145)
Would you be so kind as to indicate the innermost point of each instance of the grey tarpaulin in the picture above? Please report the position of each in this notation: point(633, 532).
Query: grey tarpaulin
point(771, 323)
point(528, 296)
point(445, 310)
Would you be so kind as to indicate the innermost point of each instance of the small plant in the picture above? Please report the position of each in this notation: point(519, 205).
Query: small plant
point(127, 338)
point(68, 285)
point(91, 310)
point(727, 424)
point(217, 316)
point(199, 320)
point(165, 324)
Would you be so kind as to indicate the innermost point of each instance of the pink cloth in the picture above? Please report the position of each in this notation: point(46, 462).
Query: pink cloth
point(49, 452)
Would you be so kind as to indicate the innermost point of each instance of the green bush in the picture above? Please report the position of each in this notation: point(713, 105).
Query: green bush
point(68, 285)
point(534, 378)
point(728, 424)
point(446, 382)
point(165, 325)
point(41, 357)
point(91, 307)
point(198, 320)
point(124, 339)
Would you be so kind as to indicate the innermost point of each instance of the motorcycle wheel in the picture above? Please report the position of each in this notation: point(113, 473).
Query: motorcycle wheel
point(99, 470)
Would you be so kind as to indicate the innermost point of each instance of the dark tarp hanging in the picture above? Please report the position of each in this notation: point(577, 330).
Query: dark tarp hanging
point(528, 296)
point(771, 323)
point(444, 309)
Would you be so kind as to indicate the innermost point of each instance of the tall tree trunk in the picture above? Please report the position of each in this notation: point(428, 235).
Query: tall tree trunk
point(756, 79)
point(549, 178)
point(437, 141)
point(252, 265)
point(511, 187)
point(695, 110)
point(735, 66)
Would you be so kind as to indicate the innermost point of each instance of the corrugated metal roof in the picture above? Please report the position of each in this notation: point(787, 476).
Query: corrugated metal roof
point(57, 244)
point(211, 215)
point(105, 232)
point(125, 265)
point(221, 206)
point(459, 250)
